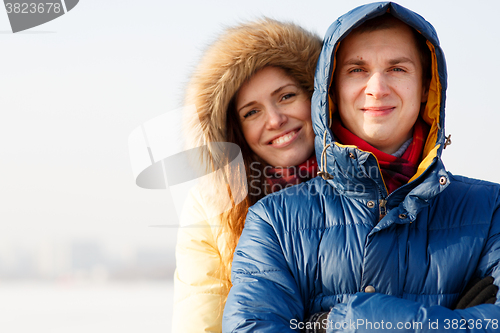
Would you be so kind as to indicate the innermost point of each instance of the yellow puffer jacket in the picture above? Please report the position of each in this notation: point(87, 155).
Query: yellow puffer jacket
point(241, 51)
point(199, 293)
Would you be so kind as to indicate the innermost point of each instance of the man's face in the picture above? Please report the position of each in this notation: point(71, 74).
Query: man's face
point(378, 86)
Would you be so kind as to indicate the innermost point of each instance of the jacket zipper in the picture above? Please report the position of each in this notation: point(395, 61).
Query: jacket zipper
point(381, 205)
point(382, 202)
point(382, 208)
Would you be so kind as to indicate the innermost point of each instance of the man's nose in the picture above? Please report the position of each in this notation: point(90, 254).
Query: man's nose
point(377, 86)
point(275, 117)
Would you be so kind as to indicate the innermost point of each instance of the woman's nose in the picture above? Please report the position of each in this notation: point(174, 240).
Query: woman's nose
point(275, 118)
point(377, 86)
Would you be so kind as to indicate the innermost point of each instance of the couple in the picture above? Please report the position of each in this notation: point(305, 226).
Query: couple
point(386, 238)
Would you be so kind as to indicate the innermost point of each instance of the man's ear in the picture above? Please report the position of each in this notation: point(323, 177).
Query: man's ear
point(425, 92)
point(333, 96)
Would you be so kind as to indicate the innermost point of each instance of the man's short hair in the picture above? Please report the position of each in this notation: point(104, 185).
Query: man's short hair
point(388, 21)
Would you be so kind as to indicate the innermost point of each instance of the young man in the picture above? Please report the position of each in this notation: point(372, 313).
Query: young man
point(386, 239)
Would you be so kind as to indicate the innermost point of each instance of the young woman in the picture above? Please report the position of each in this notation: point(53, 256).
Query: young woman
point(253, 88)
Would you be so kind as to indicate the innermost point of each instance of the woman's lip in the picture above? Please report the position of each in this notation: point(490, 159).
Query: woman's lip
point(279, 145)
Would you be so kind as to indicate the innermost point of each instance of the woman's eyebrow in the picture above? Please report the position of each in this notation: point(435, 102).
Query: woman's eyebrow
point(277, 91)
point(246, 105)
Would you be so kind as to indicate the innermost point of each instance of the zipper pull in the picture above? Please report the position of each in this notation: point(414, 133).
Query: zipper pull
point(382, 208)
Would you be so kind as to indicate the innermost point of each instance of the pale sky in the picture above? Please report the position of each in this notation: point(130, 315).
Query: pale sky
point(72, 90)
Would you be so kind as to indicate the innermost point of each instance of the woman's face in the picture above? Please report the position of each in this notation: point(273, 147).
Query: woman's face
point(275, 116)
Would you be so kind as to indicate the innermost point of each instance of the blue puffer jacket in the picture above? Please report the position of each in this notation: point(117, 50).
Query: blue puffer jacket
point(320, 246)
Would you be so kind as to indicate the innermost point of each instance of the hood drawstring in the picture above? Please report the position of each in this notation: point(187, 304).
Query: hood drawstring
point(448, 141)
point(322, 171)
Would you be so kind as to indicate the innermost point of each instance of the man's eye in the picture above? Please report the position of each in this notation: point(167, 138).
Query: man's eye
point(249, 113)
point(356, 70)
point(397, 69)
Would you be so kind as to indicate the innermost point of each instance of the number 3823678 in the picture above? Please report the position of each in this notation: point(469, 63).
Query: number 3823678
point(32, 8)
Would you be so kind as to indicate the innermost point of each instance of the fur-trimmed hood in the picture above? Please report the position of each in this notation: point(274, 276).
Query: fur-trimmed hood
point(232, 59)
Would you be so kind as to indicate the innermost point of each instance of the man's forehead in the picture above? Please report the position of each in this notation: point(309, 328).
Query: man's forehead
point(401, 31)
point(386, 21)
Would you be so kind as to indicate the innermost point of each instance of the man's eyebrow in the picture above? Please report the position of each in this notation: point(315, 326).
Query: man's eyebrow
point(354, 61)
point(392, 62)
point(400, 60)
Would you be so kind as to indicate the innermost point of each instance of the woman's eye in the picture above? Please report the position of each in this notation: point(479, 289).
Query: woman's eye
point(287, 96)
point(249, 113)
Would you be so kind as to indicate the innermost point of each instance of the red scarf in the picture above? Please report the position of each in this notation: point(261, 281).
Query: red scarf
point(279, 178)
point(396, 171)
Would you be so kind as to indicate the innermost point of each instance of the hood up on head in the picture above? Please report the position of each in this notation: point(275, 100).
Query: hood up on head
point(231, 60)
point(327, 149)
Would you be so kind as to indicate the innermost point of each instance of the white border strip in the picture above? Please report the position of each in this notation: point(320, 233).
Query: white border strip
point(64, 6)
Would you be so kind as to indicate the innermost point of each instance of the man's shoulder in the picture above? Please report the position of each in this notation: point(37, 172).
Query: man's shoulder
point(292, 208)
point(464, 181)
point(471, 180)
point(309, 191)
point(316, 185)
point(470, 191)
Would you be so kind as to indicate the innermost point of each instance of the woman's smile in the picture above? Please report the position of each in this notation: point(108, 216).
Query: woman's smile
point(285, 139)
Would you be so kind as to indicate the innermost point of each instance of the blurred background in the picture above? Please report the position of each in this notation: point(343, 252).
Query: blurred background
point(81, 246)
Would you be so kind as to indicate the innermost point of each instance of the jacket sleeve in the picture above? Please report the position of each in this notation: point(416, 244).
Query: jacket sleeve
point(264, 296)
point(391, 314)
point(199, 292)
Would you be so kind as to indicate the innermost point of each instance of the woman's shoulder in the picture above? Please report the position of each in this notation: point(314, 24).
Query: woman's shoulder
point(201, 223)
point(201, 207)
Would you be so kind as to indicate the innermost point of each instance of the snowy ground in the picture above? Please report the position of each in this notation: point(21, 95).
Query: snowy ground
point(28, 307)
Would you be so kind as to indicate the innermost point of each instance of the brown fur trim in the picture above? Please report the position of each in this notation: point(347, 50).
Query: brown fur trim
point(234, 57)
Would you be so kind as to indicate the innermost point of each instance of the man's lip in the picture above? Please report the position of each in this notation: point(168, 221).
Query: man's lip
point(378, 108)
point(284, 133)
